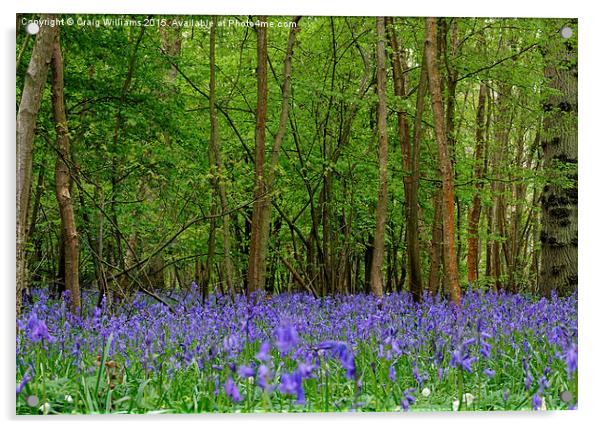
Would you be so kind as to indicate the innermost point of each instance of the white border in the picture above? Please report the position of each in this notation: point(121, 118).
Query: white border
point(589, 181)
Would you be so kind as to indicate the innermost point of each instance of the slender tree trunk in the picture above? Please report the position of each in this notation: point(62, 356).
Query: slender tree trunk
point(411, 157)
point(33, 221)
point(63, 181)
point(218, 171)
point(256, 270)
point(436, 248)
point(208, 271)
point(368, 257)
point(376, 281)
point(264, 184)
point(449, 248)
point(31, 98)
point(475, 211)
point(559, 236)
point(502, 124)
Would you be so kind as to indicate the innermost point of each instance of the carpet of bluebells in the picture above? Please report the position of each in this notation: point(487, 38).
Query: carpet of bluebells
point(293, 352)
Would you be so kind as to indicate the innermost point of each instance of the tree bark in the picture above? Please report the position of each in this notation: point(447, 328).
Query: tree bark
point(449, 248)
point(256, 270)
point(31, 98)
point(260, 222)
point(475, 211)
point(217, 167)
point(559, 235)
point(63, 181)
point(436, 246)
point(411, 157)
point(376, 281)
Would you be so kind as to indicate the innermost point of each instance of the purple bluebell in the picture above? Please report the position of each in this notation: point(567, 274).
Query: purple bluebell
point(232, 390)
point(571, 359)
point(264, 352)
point(292, 384)
point(536, 402)
point(489, 372)
point(245, 371)
point(286, 338)
point(408, 399)
point(392, 376)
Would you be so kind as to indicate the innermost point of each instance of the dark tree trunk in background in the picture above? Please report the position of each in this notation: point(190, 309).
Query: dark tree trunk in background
point(256, 266)
point(475, 211)
point(63, 181)
point(31, 98)
point(449, 248)
point(559, 204)
point(411, 155)
point(218, 173)
point(264, 181)
point(266, 207)
point(33, 222)
point(376, 280)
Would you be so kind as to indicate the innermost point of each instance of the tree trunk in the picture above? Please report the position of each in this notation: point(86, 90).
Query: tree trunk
point(31, 98)
point(33, 221)
point(218, 172)
point(436, 246)
point(475, 211)
point(449, 248)
point(260, 223)
point(376, 281)
point(63, 181)
point(411, 157)
point(256, 268)
point(559, 236)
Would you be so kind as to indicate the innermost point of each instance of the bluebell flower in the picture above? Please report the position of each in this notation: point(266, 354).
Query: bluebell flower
point(292, 384)
point(528, 381)
point(232, 345)
point(232, 391)
point(408, 399)
point(485, 349)
point(571, 359)
point(38, 330)
point(536, 402)
point(489, 372)
point(245, 371)
point(26, 379)
point(341, 351)
point(464, 362)
point(263, 374)
point(286, 338)
point(264, 352)
point(305, 369)
point(392, 374)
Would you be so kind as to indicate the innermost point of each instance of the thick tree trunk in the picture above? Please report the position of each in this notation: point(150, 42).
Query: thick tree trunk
point(376, 280)
point(475, 211)
point(63, 180)
point(559, 234)
point(449, 248)
point(31, 98)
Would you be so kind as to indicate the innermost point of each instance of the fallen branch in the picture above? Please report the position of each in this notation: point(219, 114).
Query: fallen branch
point(298, 279)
